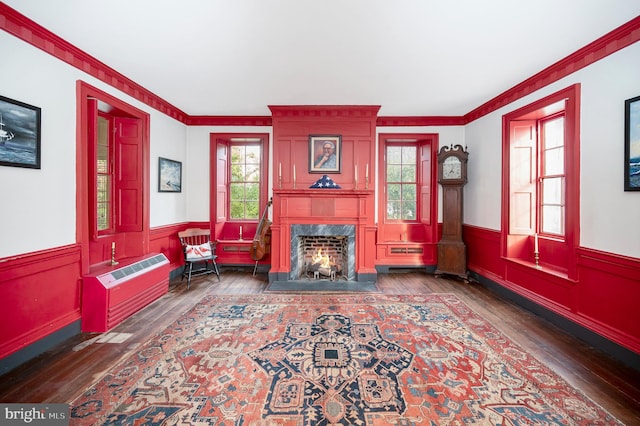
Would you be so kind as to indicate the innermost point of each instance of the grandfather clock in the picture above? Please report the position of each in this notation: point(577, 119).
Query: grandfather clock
point(452, 175)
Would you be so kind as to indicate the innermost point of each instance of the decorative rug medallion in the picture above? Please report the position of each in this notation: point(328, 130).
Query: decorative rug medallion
point(333, 360)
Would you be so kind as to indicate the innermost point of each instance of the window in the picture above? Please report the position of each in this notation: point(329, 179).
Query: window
point(104, 175)
point(552, 179)
point(239, 179)
point(542, 172)
point(401, 182)
point(244, 182)
point(408, 201)
point(112, 178)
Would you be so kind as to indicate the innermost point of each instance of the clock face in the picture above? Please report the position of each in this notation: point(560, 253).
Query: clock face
point(452, 168)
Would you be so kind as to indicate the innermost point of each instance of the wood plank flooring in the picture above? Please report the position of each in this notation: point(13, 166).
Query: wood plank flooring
point(64, 372)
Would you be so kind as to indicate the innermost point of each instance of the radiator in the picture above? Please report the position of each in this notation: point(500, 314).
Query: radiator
point(109, 298)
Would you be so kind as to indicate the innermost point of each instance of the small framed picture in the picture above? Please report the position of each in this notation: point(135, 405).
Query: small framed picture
point(632, 144)
point(19, 134)
point(169, 175)
point(325, 153)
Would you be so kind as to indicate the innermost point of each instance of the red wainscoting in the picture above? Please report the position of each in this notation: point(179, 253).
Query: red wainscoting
point(604, 298)
point(40, 293)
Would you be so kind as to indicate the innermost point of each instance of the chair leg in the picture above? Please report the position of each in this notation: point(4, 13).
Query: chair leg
point(255, 268)
point(189, 279)
point(215, 269)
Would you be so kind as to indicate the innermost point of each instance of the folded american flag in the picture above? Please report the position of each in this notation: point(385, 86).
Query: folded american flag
point(325, 182)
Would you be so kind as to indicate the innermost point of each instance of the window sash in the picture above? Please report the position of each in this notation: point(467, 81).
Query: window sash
point(552, 179)
point(244, 181)
point(401, 183)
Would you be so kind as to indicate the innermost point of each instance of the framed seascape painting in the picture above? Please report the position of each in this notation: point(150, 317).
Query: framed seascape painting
point(325, 153)
point(169, 175)
point(19, 134)
point(632, 144)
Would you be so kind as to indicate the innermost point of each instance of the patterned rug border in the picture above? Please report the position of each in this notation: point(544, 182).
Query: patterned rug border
point(457, 305)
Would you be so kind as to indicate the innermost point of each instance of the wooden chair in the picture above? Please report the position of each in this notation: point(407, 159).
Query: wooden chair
point(198, 249)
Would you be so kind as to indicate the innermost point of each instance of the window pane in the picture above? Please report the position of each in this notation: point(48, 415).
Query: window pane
point(408, 192)
point(409, 173)
point(103, 159)
point(394, 173)
point(236, 191)
point(253, 173)
point(394, 192)
point(252, 210)
point(253, 154)
point(553, 219)
point(237, 172)
point(394, 154)
point(552, 191)
point(393, 209)
point(103, 216)
point(554, 162)
point(252, 192)
point(408, 155)
point(553, 133)
point(237, 210)
point(409, 210)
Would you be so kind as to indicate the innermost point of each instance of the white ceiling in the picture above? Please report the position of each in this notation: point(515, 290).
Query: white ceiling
point(412, 57)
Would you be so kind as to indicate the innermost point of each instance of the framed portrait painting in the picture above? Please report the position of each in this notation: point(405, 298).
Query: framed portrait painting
point(632, 144)
point(169, 175)
point(325, 153)
point(19, 134)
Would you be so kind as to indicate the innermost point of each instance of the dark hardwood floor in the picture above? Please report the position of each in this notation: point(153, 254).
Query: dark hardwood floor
point(61, 374)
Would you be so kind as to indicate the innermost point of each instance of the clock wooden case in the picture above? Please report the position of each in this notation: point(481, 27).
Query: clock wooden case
point(452, 175)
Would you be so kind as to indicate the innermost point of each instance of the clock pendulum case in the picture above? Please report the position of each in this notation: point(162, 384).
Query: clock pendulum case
point(452, 176)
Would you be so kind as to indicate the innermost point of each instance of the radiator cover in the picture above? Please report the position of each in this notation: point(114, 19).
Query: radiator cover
point(109, 297)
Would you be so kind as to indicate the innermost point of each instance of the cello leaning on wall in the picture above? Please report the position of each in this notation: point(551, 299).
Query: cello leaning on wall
point(262, 239)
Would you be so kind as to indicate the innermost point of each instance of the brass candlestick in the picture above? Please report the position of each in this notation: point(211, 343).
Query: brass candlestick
point(113, 255)
point(536, 256)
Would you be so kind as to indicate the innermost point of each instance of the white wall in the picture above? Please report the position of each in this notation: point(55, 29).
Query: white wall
point(609, 216)
point(38, 207)
point(43, 201)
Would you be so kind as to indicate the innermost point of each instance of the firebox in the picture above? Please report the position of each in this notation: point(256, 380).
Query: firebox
point(322, 252)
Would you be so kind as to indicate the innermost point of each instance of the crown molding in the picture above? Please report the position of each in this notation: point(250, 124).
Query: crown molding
point(30, 32)
point(229, 120)
point(606, 45)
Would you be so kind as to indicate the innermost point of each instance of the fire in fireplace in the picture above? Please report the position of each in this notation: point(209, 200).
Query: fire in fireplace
point(323, 256)
point(321, 252)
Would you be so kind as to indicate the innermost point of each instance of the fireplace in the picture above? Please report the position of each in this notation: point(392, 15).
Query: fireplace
point(322, 252)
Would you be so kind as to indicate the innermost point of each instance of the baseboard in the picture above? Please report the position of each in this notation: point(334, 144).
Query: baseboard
point(35, 349)
point(620, 353)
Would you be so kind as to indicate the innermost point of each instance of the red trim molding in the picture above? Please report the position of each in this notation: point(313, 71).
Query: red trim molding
point(321, 111)
point(612, 42)
point(421, 121)
point(30, 32)
point(228, 120)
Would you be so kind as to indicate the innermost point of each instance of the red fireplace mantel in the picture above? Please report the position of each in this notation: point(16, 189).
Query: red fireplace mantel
point(295, 203)
point(323, 206)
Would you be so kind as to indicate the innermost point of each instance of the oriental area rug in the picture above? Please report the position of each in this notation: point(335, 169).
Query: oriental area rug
point(349, 359)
